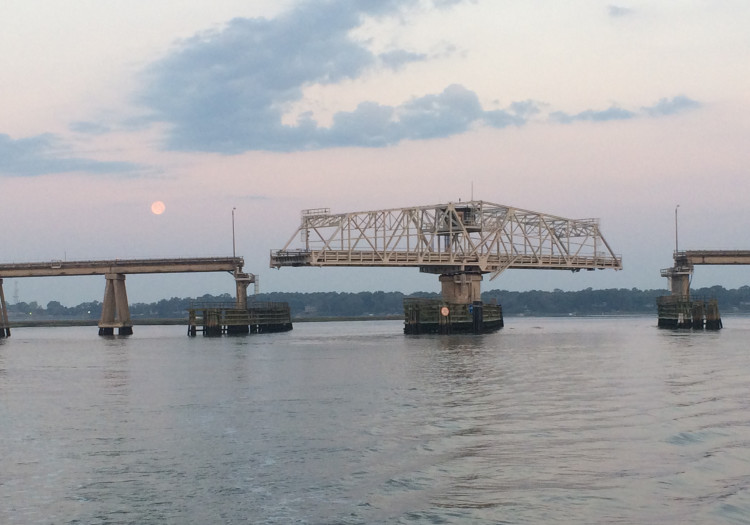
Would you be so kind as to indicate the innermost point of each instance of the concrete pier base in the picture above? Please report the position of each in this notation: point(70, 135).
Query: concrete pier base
point(110, 330)
point(115, 309)
point(461, 288)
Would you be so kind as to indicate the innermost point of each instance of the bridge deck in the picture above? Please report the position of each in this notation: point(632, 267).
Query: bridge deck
point(121, 266)
point(717, 257)
point(489, 263)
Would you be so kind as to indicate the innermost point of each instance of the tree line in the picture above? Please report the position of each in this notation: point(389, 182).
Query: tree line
point(613, 301)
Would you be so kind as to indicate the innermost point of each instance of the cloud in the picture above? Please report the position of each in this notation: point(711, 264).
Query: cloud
point(455, 110)
point(447, 3)
point(228, 90)
point(671, 106)
point(447, 113)
point(90, 128)
point(46, 154)
point(370, 125)
point(664, 107)
point(591, 115)
point(398, 58)
point(618, 12)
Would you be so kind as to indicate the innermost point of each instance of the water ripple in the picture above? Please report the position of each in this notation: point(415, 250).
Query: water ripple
point(550, 420)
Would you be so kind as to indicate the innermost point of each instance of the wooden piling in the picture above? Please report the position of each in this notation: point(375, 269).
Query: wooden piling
point(713, 318)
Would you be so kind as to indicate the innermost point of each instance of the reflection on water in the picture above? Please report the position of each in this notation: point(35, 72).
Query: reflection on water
point(572, 420)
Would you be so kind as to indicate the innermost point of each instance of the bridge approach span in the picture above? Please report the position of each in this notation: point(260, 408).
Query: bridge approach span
point(712, 257)
point(680, 273)
point(121, 266)
point(115, 310)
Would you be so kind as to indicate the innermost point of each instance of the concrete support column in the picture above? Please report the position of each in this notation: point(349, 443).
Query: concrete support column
point(242, 281)
point(462, 288)
point(115, 309)
point(4, 323)
point(679, 284)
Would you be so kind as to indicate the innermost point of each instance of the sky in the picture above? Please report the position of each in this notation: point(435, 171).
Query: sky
point(258, 110)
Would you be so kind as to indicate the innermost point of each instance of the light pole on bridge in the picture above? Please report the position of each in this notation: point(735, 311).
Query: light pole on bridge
point(676, 244)
point(234, 249)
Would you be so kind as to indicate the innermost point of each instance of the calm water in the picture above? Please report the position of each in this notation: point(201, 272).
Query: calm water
point(548, 420)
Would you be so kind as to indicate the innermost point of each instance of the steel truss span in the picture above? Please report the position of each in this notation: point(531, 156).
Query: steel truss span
point(464, 237)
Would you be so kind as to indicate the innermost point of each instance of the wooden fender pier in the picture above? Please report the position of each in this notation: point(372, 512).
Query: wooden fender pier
point(436, 316)
point(226, 318)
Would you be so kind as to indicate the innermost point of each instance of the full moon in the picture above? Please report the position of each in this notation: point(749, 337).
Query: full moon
point(157, 207)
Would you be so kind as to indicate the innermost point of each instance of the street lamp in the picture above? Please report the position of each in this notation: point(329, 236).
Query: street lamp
point(234, 250)
point(676, 245)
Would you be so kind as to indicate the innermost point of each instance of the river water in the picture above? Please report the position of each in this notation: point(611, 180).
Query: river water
point(548, 420)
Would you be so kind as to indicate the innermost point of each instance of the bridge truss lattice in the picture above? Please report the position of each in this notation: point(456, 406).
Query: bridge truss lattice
point(464, 237)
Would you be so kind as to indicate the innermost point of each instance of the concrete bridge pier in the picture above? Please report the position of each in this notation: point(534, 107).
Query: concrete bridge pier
point(4, 323)
point(460, 310)
point(679, 282)
point(463, 288)
point(115, 310)
point(242, 281)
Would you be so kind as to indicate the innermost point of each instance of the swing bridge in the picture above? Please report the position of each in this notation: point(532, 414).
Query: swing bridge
point(460, 242)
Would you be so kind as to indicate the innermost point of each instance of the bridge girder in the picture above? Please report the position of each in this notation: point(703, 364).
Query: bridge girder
point(465, 237)
point(123, 266)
